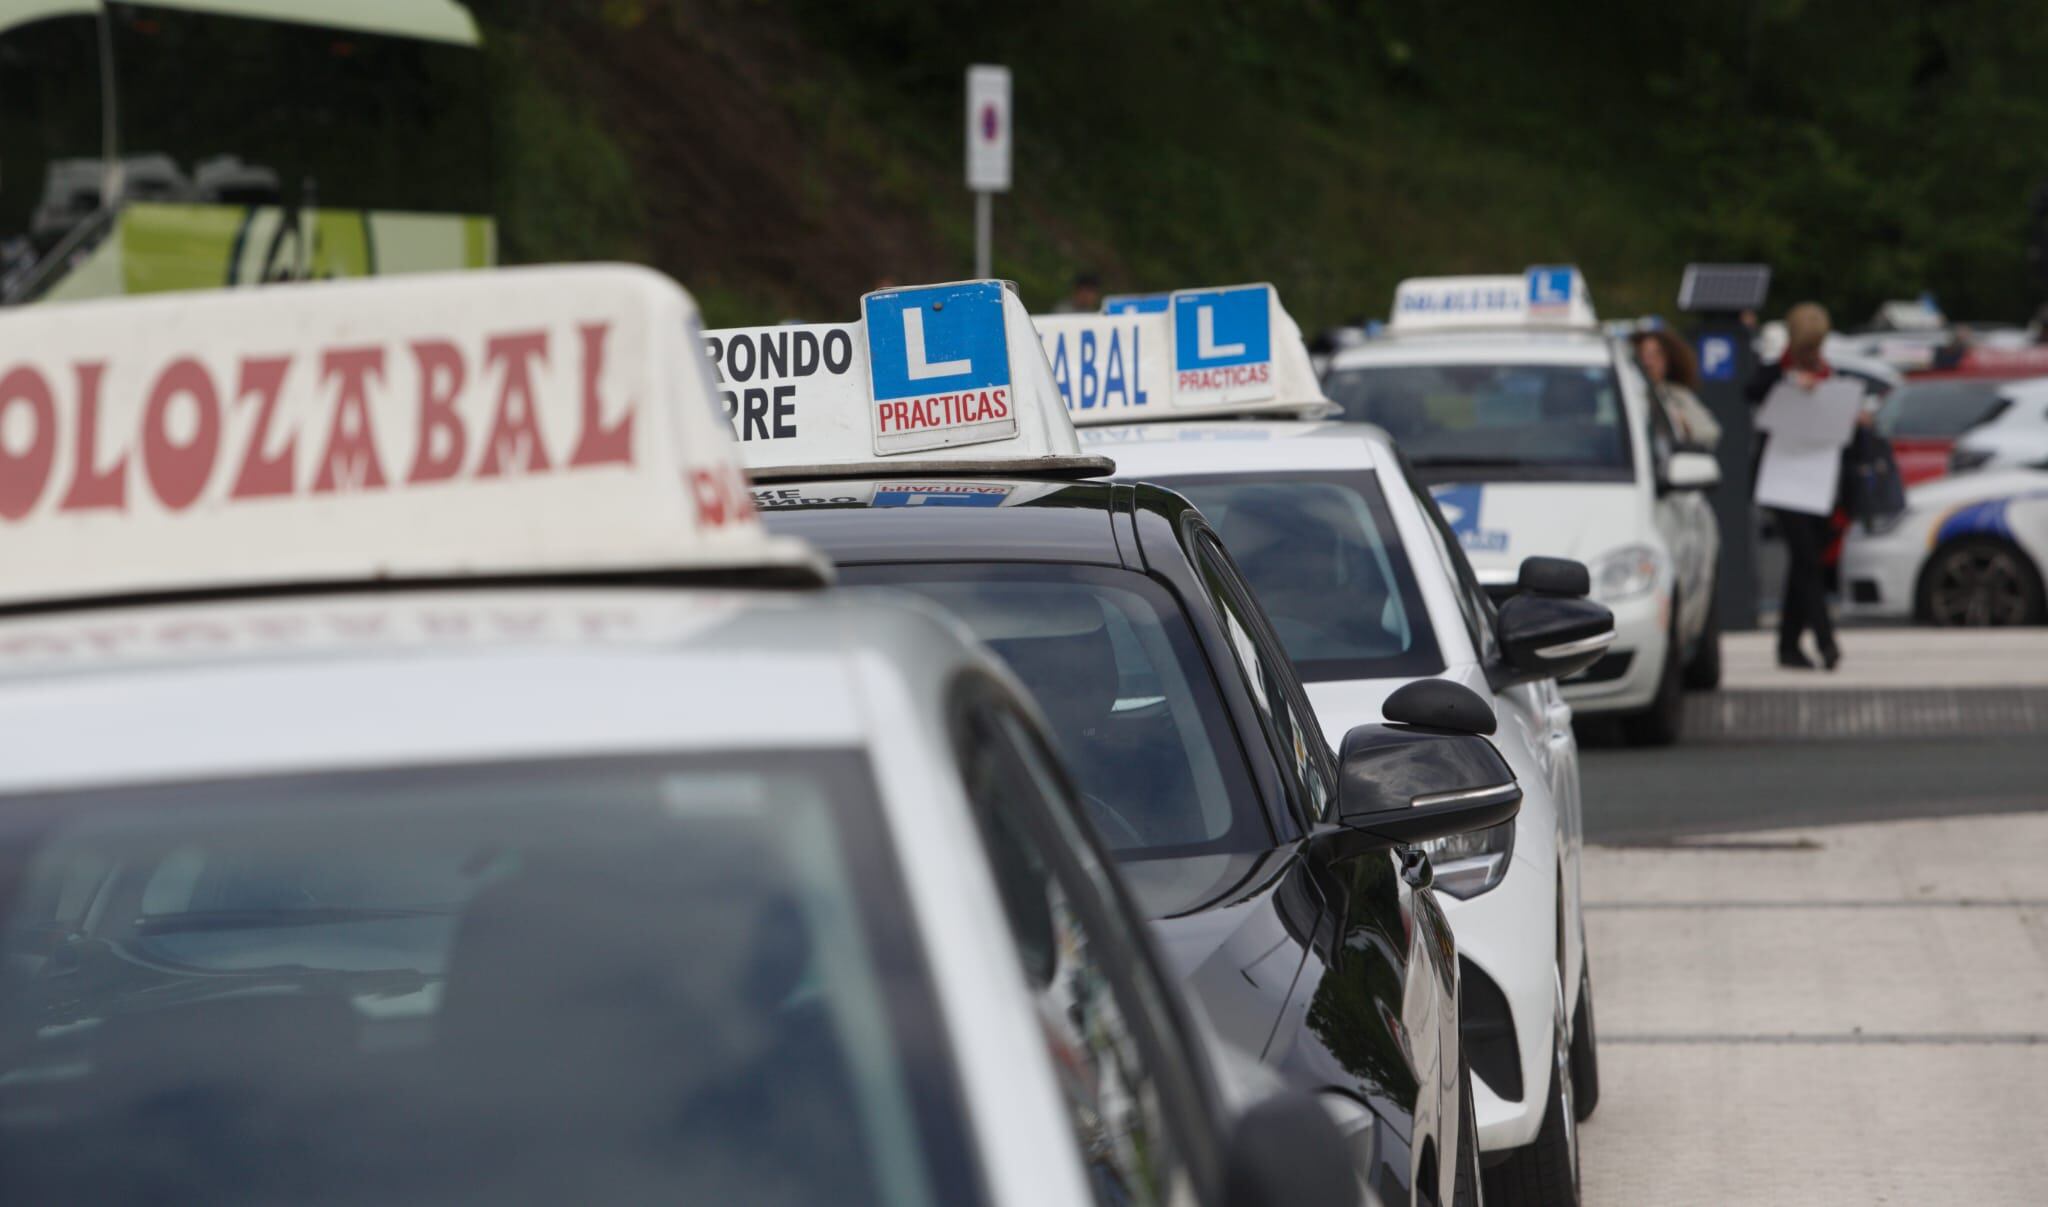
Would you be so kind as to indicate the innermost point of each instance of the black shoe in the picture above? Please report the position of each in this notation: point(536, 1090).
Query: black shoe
point(1795, 661)
point(1831, 657)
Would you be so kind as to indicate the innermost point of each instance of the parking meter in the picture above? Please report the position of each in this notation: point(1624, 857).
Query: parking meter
point(1718, 295)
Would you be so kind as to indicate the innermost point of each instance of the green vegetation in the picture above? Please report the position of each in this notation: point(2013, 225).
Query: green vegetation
point(780, 156)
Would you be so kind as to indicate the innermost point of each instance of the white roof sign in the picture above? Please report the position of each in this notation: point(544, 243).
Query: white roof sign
point(937, 378)
point(1551, 297)
point(523, 422)
point(1201, 354)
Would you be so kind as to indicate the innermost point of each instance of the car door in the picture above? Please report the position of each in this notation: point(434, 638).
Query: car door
point(1376, 921)
point(1135, 1084)
point(1537, 709)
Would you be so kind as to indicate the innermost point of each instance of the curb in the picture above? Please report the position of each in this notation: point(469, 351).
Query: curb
point(1848, 714)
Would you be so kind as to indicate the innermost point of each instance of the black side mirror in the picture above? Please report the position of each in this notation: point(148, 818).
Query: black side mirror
point(1426, 775)
point(1287, 1152)
point(1550, 637)
point(1555, 576)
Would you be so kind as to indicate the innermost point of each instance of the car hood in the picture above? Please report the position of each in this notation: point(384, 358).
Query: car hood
point(1232, 934)
point(1500, 523)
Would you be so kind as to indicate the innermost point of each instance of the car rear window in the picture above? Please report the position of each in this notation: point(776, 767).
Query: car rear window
point(612, 981)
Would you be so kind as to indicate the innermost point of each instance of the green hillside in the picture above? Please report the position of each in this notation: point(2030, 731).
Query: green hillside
point(781, 156)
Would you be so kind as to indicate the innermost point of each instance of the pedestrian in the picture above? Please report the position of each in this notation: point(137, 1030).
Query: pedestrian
point(1667, 361)
point(1806, 536)
point(1084, 298)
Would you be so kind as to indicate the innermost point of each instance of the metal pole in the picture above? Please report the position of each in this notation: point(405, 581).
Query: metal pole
point(983, 222)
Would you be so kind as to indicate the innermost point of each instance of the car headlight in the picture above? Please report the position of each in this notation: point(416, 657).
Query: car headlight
point(1884, 525)
point(1962, 460)
point(1468, 864)
point(1625, 573)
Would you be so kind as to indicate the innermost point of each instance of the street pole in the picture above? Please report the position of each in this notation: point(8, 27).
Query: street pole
point(984, 233)
point(988, 155)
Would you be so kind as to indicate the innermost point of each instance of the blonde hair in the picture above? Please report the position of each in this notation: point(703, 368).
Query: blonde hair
point(1806, 325)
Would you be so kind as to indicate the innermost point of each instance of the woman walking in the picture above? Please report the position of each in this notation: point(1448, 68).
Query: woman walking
point(1806, 535)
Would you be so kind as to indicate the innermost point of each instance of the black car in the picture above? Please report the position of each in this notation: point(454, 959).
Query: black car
point(1206, 774)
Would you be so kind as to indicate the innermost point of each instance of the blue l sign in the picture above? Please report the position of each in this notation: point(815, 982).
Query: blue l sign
point(1223, 345)
point(939, 370)
point(1550, 288)
point(1717, 358)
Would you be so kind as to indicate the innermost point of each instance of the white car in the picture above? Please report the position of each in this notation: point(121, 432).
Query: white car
point(1967, 550)
point(431, 784)
point(2014, 437)
point(1538, 435)
point(1369, 591)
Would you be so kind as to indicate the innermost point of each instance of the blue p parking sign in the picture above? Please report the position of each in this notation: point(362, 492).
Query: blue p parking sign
point(1717, 358)
point(1223, 345)
point(939, 366)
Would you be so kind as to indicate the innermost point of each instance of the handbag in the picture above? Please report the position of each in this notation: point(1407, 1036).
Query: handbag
point(1876, 490)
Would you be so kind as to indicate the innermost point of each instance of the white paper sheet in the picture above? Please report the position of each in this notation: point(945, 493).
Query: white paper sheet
point(1825, 415)
point(1798, 479)
point(1803, 457)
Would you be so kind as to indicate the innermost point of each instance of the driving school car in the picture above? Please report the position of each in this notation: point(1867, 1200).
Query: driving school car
point(427, 781)
point(1270, 864)
point(1539, 436)
point(1967, 550)
point(1368, 592)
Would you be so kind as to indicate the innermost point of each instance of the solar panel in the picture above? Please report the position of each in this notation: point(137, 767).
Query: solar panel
point(1724, 287)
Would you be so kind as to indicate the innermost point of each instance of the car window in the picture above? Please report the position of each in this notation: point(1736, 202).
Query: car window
point(1321, 551)
point(1118, 1071)
point(1498, 416)
point(1297, 740)
point(1124, 687)
point(636, 980)
point(1938, 409)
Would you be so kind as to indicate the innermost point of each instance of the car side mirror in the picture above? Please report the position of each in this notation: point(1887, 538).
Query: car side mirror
point(1555, 576)
point(1549, 637)
point(1286, 1151)
point(1690, 470)
point(1427, 773)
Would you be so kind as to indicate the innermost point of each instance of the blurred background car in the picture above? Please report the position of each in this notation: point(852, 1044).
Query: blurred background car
point(2013, 436)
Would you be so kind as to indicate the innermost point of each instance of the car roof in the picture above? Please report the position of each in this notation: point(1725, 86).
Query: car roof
point(1050, 522)
point(1478, 348)
point(225, 689)
point(1224, 447)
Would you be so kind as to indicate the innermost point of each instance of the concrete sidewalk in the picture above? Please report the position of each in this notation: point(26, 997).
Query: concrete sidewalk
point(1892, 683)
point(1853, 1014)
point(1874, 658)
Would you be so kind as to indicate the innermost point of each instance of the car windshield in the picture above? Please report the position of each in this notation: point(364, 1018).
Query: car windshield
point(1939, 410)
point(606, 981)
point(1559, 419)
point(1321, 553)
point(1121, 681)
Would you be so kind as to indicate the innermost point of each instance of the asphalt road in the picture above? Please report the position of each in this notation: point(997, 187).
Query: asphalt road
point(1647, 796)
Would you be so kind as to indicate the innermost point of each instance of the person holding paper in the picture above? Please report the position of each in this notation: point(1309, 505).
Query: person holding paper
point(1805, 419)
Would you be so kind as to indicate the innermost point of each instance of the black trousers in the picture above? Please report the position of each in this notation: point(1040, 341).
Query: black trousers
point(1806, 601)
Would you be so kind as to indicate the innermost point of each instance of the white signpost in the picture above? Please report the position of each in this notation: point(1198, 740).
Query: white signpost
point(988, 152)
